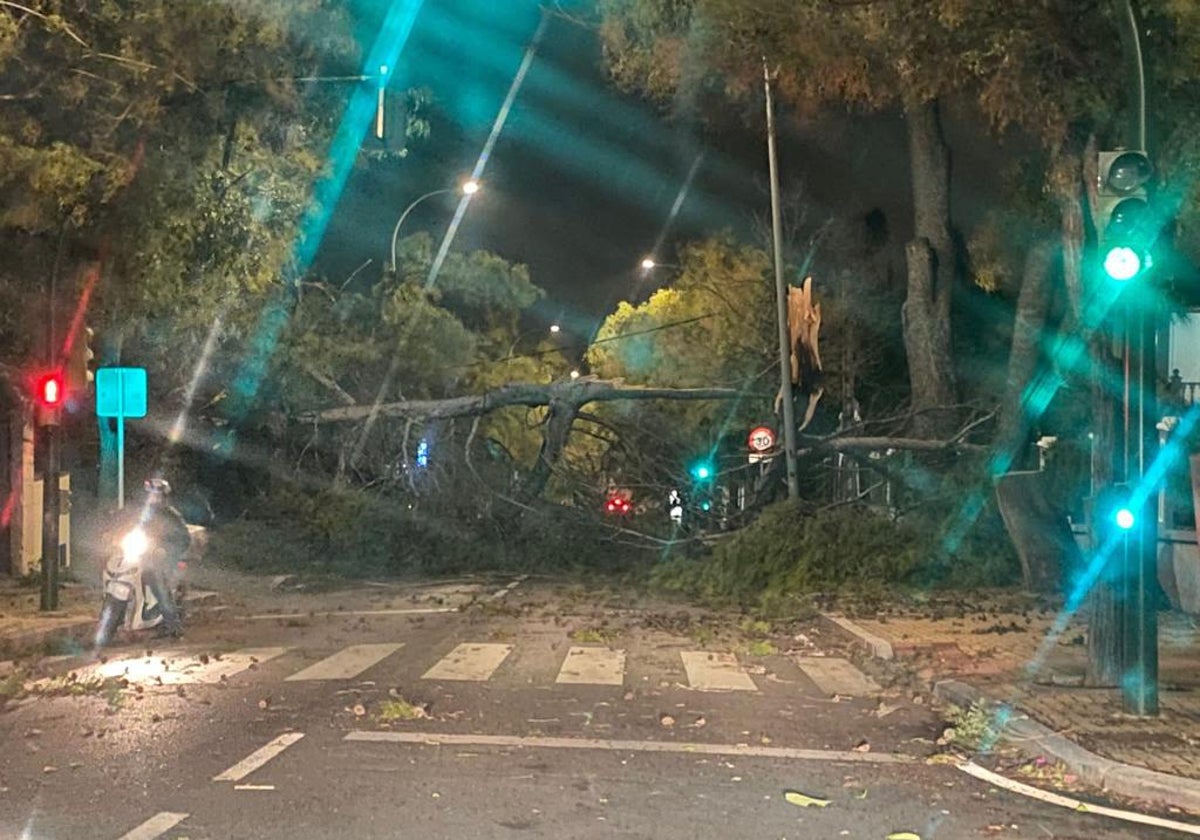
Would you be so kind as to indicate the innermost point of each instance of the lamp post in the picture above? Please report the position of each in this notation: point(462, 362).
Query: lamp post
point(469, 187)
point(555, 329)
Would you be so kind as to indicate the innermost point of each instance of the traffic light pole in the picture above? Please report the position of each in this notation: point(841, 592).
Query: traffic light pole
point(51, 498)
point(51, 455)
point(1139, 430)
point(1138, 612)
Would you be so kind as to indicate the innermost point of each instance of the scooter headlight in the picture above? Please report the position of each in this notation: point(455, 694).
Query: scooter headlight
point(134, 544)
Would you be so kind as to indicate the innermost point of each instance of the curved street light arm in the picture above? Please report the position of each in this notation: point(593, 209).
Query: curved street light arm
point(409, 209)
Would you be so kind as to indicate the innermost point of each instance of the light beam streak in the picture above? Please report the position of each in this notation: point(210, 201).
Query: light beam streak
point(393, 35)
point(485, 155)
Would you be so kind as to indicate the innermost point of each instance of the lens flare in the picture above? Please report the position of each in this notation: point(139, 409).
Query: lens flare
point(134, 544)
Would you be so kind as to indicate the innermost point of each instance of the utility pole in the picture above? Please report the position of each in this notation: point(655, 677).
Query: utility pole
point(785, 350)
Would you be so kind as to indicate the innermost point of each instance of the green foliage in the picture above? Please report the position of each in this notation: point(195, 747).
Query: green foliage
point(791, 552)
point(975, 729)
point(787, 550)
point(355, 533)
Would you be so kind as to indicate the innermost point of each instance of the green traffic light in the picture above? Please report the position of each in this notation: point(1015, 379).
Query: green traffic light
point(702, 471)
point(1122, 263)
point(1125, 519)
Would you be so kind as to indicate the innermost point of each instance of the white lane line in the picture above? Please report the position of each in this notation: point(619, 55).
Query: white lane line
point(500, 593)
point(469, 662)
point(254, 787)
point(336, 613)
point(539, 742)
point(346, 663)
point(156, 826)
point(837, 676)
point(983, 774)
point(715, 672)
point(592, 666)
point(259, 757)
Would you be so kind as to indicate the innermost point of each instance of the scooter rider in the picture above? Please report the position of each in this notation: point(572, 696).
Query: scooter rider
point(167, 532)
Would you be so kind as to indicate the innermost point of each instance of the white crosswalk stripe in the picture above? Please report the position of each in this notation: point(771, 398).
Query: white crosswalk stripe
point(709, 671)
point(156, 826)
point(592, 666)
point(174, 668)
point(481, 662)
point(469, 663)
point(347, 663)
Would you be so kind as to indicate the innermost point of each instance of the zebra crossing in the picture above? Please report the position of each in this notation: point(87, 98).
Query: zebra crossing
point(477, 662)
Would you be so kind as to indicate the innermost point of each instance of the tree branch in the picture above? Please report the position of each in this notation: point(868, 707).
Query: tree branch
point(577, 392)
point(330, 383)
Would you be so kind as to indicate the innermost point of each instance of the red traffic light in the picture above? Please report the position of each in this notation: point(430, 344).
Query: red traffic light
point(617, 504)
point(50, 390)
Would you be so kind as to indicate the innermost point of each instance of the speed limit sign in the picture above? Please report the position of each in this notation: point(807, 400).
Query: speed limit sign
point(762, 439)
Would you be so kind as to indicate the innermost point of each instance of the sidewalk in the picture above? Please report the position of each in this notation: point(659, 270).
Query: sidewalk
point(1003, 651)
point(24, 628)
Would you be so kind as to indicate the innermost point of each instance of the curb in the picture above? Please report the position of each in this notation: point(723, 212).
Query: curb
point(65, 635)
point(61, 636)
point(877, 646)
point(1036, 740)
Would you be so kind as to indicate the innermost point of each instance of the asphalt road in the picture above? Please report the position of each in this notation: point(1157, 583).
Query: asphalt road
point(564, 720)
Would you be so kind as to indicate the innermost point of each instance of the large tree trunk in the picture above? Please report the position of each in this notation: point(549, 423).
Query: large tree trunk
point(1104, 606)
point(1077, 185)
point(560, 417)
point(931, 270)
point(1025, 355)
point(1036, 520)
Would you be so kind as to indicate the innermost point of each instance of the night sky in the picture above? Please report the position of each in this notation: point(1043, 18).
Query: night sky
point(582, 180)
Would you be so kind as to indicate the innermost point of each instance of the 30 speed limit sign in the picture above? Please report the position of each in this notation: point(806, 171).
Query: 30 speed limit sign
point(762, 439)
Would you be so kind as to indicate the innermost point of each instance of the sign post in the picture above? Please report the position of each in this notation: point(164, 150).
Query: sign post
point(121, 393)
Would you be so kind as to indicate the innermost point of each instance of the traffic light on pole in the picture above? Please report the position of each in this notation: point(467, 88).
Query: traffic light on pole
point(49, 394)
point(1124, 224)
point(79, 362)
point(702, 470)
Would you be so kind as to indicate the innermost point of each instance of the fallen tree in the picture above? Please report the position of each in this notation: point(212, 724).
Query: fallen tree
point(577, 392)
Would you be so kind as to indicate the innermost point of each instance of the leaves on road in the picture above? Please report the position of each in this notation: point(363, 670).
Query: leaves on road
point(666, 720)
point(904, 835)
point(803, 800)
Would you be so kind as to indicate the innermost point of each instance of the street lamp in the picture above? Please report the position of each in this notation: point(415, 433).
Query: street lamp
point(468, 187)
point(649, 264)
point(575, 374)
point(555, 328)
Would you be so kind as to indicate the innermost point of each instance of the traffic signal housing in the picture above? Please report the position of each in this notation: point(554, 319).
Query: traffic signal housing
point(1124, 225)
point(49, 394)
point(702, 470)
point(79, 363)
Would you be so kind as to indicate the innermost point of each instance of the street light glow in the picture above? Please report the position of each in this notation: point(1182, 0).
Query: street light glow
point(574, 374)
point(470, 187)
point(1125, 519)
point(555, 328)
point(648, 263)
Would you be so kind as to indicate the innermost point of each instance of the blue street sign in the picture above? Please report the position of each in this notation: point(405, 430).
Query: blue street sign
point(120, 392)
